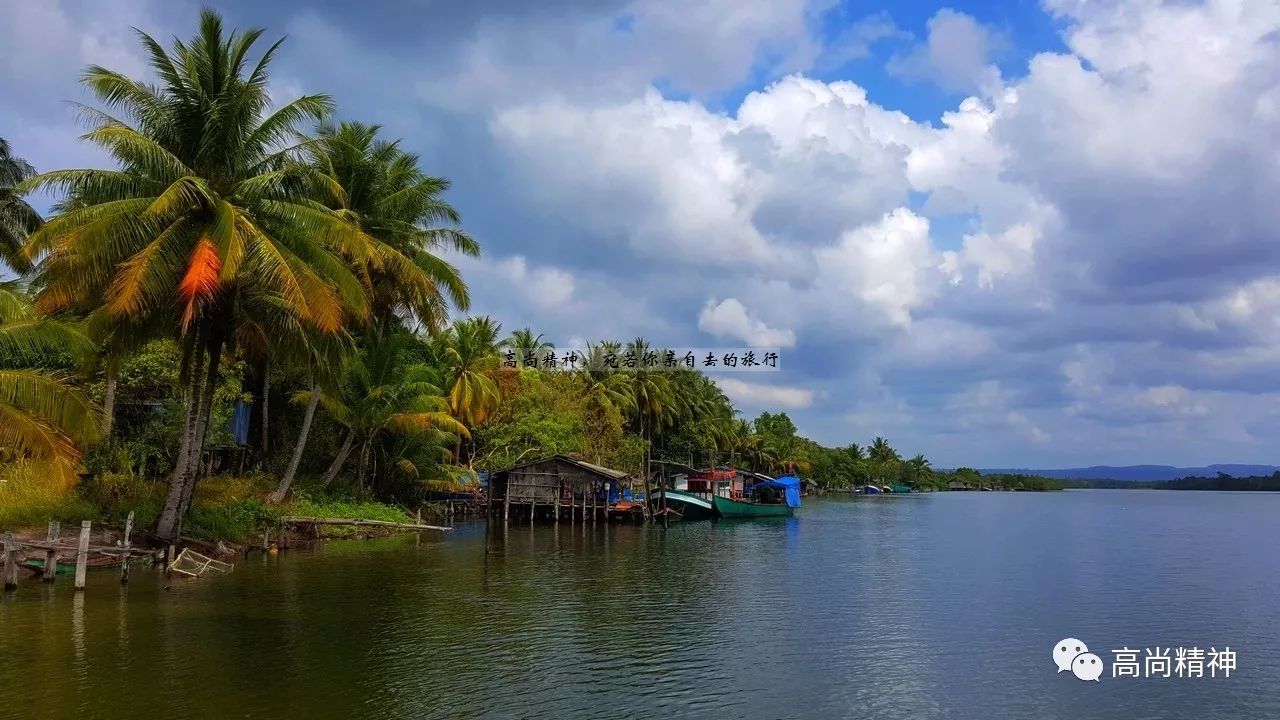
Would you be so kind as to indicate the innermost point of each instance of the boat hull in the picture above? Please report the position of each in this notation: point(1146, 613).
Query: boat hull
point(691, 507)
point(733, 509)
point(68, 566)
point(872, 490)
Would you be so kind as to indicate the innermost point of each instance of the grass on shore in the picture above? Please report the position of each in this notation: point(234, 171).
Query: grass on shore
point(232, 508)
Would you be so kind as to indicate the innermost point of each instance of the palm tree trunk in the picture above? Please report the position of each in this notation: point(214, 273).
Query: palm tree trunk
point(212, 373)
point(167, 523)
point(364, 463)
point(647, 491)
point(109, 401)
point(338, 462)
point(285, 482)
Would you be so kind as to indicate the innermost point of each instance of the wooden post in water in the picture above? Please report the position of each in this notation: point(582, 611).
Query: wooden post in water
point(124, 561)
point(10, 562)
point(51, 555)
point(506, 503)
point(82, 554)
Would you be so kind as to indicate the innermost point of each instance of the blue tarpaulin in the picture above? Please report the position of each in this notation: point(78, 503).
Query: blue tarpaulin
point(788, 484)
point(238, 425)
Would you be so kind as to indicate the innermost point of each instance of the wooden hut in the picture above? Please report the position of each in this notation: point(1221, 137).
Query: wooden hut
point(553, 489)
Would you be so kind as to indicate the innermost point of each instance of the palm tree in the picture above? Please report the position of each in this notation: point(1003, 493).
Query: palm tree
point(608, 393)
point(43, 415)
point(379, 188)
point(205, 221)
point(920, 464)
point(17, 218)
point(650, 391)
point(882, 452)
point(524, 345)
point(382, 397)
point(468, 351)
point(323, 356)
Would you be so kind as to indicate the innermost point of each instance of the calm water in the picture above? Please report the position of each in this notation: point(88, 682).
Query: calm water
point(931, 606)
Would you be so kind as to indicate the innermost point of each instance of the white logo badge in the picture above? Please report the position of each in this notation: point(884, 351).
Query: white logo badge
point(1072, 655)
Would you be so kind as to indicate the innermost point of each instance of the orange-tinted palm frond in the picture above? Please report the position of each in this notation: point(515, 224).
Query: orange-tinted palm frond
point(139, 276)
point(200, 283)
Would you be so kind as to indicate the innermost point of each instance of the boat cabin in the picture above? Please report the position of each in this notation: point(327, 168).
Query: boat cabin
point(724, 483)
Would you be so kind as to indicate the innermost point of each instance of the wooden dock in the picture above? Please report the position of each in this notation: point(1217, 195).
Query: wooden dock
point(54, 547)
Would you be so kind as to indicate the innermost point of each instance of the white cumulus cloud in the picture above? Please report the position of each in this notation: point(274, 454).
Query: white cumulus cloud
point(729, 318)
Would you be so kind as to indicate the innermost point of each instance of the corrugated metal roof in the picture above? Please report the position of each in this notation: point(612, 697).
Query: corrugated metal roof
point(589, 467)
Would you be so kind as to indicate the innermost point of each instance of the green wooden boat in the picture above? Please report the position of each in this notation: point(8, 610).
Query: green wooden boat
point(67, 566)
point(690, 506)
point(733, 509)
point(900, 489)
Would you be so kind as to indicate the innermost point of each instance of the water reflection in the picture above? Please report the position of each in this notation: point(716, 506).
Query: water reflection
point(931, 607)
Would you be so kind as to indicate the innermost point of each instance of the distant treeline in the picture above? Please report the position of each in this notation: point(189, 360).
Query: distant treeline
point(1262, 483)
point(973, 479)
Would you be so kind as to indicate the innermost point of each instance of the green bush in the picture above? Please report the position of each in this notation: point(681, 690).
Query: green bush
point(116, 494)
point(240, 520)
point(303, 506)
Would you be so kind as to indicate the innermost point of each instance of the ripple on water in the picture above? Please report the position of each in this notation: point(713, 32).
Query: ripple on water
point(938, 606)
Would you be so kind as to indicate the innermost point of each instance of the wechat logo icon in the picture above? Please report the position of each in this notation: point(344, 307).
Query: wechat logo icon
point(1072, 655)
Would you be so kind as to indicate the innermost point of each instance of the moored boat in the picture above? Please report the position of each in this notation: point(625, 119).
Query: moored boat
point(900, 489)
point(770, 498)
point(689, 505)
point(67, 566)
point(871, 490)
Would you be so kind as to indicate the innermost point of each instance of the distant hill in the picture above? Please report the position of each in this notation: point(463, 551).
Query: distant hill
point(1140, 473)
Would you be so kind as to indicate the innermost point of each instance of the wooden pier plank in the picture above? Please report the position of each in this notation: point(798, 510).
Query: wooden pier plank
point(82, 554)
point(51, 555)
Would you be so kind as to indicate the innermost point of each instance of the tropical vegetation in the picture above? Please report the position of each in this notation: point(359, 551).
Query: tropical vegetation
point(253, 309)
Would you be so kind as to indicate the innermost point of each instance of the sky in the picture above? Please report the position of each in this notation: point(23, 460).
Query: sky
point(998, 233)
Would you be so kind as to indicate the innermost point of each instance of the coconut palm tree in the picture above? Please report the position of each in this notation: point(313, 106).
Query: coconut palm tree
point(205, 221)
point(882, 452)
point(382, 397)
point(17, 218)
point(650, 390)
point(468, 351)
point(323, 356)
point(920, 464)
point(607, 392)
point(43, 415)
point(378, 187)
point(524, 344)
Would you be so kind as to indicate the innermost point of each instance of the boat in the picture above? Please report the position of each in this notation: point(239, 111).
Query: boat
point(872, 490)
point(769, 498)
point(900, 489)
point(67, 566)
point(689, 505)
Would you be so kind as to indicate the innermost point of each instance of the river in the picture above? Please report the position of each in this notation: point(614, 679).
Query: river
point(943, 605)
